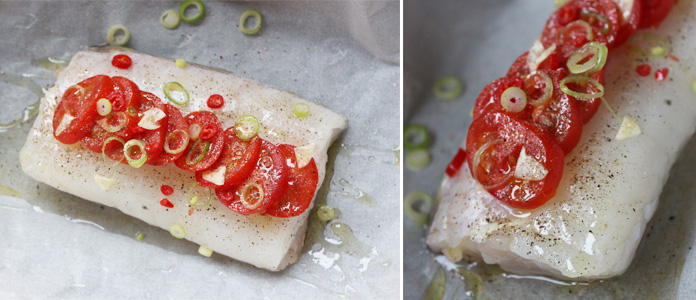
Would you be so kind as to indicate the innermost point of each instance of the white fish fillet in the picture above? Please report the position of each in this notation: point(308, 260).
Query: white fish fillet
point(610, 189)
point(263, 241)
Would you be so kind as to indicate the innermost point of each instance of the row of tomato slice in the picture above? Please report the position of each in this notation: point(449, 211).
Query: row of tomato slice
point(259, 176)
point(546, 131)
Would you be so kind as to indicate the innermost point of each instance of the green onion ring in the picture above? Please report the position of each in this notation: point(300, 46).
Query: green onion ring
point(416, 136)
point(325, 213)
point(246, 127)
point(176, 93)
point(106, 122)
point(583, 24)
point(242, 21)
point(170, 19)
point(301, 110)
point(135, 163)
point(111, 35)
point(200, 157)
point(177, 231)
point(418, 205)
point(605, 21)
point(245, 195)
point(103, 107)
point(186, 4)
point(106, 142)
point(592, 65)
point(182, 147)
point(548, 89)
point(193, 200)
point(513, 99)
point(447, 88)
point(417, 160)
point(583, 80)
point(205, 251)
point(653, 41)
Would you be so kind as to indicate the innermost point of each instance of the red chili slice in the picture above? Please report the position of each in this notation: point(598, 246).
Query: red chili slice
point(661, 74)
point(79, 102)
point(238, 157)
point(643, 70)
point(127, 94)
point(154, 139)
point(166, 190)
point(202, 154)
point(263, 188)
point(302, 185)
point(504, 136)
point(216, 101)
point(456, 163)
point(177, 134)
point(654, 11)
point(121, 61)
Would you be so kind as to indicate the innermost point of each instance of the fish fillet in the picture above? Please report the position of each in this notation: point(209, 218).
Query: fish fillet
point(263, 241)
point(610, 189)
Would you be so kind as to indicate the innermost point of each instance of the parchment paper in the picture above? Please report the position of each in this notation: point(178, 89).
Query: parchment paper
point(342, 54)
point(477, 41)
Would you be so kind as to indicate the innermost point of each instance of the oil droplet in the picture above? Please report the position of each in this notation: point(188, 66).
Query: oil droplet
point(371, 158)
point(30, 111)
point(397, 155)
point(436, 288)
point(472, 281)
point(353, 246)
point(50, 63)
point(361, 196)
point(8, 191)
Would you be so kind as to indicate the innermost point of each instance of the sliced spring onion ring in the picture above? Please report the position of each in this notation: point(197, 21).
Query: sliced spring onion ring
point(114, 122)
point(205, 251)
point(103, 107)
point(176, 93)
point(249, 192)
point(177, 231)
point(513, 99)
point(447, 88)
point(416, 136)
point(180, 136)
point(418, 159)
point(195, 131)
point(301, 110)
point(605, 21)
point(246, 127)
point(418, 205)
point(139, 236)
point(644, 44)
point(194, 197)
point(135, 163)
point(594, 89)
point(188, 3)
point(548, 89)
point(594, 56)
point(242, 21)
point(170, 19)
point(180, 63)
point(578, 23)
point(114, 38)
point(200, 156)
point(106, 142)
point(477, 161)
point(325, 213)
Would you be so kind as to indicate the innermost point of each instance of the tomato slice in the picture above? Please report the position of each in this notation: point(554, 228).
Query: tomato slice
point(154, 139)
point(238, 158)
point(654, 11)
point(302, 184)
point(77, 110)
point(520, 69)
point(176, 122)
point(630, 25)
point(588, 108)
point(126, 96)
point(200, 154)
point(263, 188)
point(504, 135)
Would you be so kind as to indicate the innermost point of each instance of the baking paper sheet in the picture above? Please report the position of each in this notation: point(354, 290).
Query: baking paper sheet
point(344, 55)
point(477, 41)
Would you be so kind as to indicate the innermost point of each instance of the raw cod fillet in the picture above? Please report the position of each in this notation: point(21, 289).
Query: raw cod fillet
point(263, 241)
point(610, 188)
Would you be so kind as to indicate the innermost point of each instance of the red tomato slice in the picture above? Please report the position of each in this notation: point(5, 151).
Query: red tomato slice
point(175, 122)
point(197, 149)
point(126, 94)
point(302, 184)
point(154, 139)
point(80, 103)
point(504, 136)
point(629, 26)
point(264, 187)
point(654, 11)
point(520, 69)
point(238, 157)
